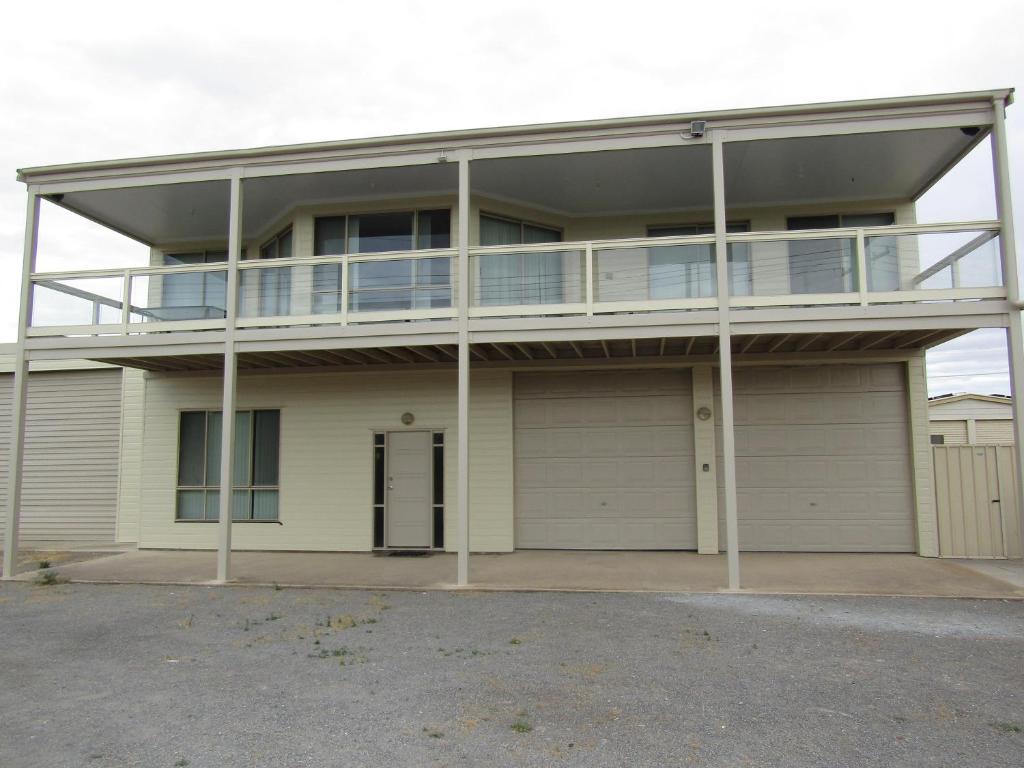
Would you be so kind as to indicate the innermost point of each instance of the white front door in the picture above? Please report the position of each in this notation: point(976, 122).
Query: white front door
point(408, 507)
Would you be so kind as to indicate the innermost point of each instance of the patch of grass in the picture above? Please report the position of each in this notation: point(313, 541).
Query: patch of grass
point(434, 734)
point(277, 587)
point(44, 564)
point(181, 763)
point(515, 641)
point(521, 726)
point(1008, 727)
point(49, 578)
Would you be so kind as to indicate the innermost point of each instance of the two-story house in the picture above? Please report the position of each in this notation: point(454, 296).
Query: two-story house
point(685, 332)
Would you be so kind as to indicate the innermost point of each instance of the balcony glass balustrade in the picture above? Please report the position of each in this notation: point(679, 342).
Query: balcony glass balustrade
point(870, 265)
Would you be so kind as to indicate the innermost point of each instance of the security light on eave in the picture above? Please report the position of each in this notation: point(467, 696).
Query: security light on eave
point(697, 128)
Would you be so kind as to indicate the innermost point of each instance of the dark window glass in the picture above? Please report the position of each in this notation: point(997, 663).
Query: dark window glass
point(439, 474)
point(378, 473)
point(266, 447)
point(192, 448)
point(378, 232)
point(536, 234)
point(329, 236)
point(938, 439)
point(434, 229)
point(438, 527)
point(378, 527)
point(812, 222)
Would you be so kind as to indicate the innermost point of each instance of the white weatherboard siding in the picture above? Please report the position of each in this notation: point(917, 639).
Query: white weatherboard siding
point(823, 459)
point(129, 493)
point(72, 440)
point(604, 460)
point(327, 422)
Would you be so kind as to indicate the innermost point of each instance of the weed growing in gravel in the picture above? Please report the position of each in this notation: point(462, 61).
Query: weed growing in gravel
point(521, 726)
point(1008, 727)
point(433, 733)
point(515, 641)
point(182, 763)
point(44, 564)
point(49, 578)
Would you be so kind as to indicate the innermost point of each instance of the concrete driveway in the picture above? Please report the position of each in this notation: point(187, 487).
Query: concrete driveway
point(106, 676)
point(763, 572)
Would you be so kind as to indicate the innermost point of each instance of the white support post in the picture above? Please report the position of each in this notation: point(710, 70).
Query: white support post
point(862, 269)
point(126, 302)
point(227, 439)
point(343, 306)
point(725, 363)
point(462, 542)
point(588, 273)
point(19, 397)
point(1008, 251)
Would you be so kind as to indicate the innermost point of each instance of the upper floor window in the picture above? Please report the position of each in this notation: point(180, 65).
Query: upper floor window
point(507, 279)
point(279, 246)
point(381, 232)
point(386, 284)
point(688, 271)
point(495, 230)
point(192, 295)
point(830, 265)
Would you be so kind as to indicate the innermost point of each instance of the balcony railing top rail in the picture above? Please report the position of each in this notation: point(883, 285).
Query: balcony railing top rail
point(950, 261)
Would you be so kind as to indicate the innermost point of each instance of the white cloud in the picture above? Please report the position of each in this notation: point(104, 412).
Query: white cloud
point(86, 81)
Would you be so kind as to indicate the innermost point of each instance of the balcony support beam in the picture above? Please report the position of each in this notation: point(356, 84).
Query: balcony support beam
point(462, 485)
point(1011, 278)
point(19, 397)
point(227, 438)
point(725, 365)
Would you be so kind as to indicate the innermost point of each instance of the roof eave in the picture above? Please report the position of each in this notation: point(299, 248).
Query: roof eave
point(442, 138)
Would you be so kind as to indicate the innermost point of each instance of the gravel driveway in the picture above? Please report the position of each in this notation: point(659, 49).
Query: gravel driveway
point(168, 676)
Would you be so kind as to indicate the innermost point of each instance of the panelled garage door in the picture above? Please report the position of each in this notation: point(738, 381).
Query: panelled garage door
point(822, 459)
point(604, 460)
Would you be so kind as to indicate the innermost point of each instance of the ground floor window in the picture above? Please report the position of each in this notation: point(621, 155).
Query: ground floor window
point(255, 480)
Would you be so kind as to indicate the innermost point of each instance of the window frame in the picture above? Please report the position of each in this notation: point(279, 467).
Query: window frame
point(327, 278)
point(522, 272)
point(205, 488)
point(731, 251)
point(844, 253)
point(208, 281)
point(522, 223)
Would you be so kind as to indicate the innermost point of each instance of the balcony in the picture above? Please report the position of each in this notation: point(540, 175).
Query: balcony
point(867, 266)
point(599, 237)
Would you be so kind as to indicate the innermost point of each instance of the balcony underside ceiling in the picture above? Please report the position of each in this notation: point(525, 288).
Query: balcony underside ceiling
point(863, 166)
point(760, 348)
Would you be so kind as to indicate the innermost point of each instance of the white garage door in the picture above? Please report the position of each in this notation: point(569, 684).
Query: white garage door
point(604, 460)
point(823, 459)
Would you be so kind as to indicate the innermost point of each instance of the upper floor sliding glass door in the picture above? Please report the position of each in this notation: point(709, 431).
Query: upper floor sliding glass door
point(829, 265)
point(511, 279)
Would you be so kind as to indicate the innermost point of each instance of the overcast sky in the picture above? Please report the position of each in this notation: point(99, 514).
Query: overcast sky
point(88, 81)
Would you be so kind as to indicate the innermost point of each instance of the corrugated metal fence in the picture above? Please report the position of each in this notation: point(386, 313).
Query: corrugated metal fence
point(976, 495)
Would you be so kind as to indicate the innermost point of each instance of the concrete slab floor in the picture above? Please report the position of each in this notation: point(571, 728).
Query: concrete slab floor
point(762, 572)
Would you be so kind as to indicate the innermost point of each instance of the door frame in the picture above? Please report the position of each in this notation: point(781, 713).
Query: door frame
point(436, 511)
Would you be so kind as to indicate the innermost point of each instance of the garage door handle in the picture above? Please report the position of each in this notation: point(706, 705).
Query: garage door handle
point(995, 501)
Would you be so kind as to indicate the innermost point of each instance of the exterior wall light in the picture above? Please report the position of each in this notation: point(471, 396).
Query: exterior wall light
point(408, 418)
point(703, 413)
